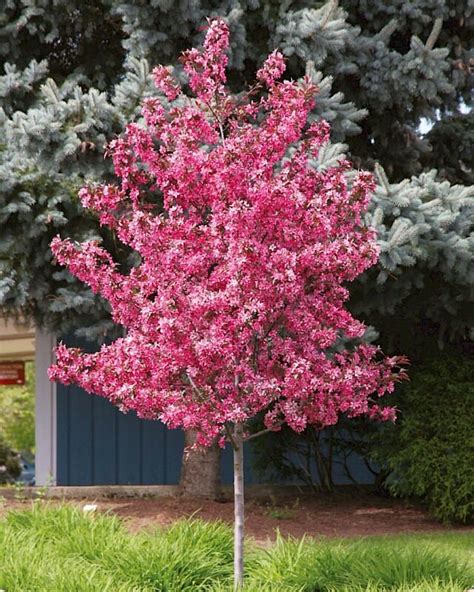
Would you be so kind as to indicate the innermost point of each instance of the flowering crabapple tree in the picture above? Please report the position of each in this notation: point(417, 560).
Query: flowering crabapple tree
point(237, 302)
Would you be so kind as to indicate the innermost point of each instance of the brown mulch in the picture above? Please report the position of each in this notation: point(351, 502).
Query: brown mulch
point(347, 514)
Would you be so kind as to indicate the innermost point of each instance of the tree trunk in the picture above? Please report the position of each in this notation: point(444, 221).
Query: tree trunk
point(200, 470)
point(238, 507)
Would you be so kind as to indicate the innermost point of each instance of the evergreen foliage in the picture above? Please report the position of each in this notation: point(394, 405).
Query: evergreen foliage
point(74, 72)
point(426, 454)
point(425, 234)
point(452, 141)
point(429, 454)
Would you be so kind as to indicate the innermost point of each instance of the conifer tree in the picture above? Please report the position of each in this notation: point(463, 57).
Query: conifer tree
point(71, 77)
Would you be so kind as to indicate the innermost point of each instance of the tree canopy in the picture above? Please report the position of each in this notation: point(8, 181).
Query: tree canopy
point(235, 306)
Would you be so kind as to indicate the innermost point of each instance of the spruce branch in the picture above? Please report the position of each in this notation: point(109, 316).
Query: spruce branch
point(435, 31)
point(389, 29)
point(382, 177)
point(332, 6)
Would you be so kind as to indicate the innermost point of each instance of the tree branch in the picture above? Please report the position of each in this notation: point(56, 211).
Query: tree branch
point(436, 30)
point(262, 432)
point(229, 435)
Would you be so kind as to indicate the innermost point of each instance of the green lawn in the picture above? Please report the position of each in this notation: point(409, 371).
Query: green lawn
point(60, 549)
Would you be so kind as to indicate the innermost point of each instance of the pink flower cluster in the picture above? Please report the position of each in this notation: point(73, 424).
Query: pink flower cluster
point(238, 301)
point(272, 70)
point(164, 81)
point(206, 69)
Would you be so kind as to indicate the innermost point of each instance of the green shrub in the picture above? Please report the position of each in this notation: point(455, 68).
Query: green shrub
point(10, 467)
point(426, 454)
point(429, 452)
point(17, 413)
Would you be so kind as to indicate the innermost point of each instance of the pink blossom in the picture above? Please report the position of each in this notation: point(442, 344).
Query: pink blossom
point(164, 81)
point(272, 69)
point(206, 69)
point(238, 302)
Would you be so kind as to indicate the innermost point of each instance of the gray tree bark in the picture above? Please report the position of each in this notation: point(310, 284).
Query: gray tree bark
point(200, 470)
point(238, 507)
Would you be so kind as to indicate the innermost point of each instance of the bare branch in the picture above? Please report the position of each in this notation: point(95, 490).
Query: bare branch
point(257, 434)
point(230, 437)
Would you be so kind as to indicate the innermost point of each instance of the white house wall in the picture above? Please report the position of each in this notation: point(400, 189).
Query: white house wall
point(45, 412)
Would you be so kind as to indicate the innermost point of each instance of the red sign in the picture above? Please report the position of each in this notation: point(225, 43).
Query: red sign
point(12, 373)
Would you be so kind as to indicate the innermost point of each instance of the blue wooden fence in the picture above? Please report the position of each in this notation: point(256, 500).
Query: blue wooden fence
point(99, 445)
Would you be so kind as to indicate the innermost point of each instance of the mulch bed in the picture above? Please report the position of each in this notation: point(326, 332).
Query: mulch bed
point(345, 514)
